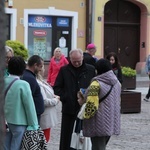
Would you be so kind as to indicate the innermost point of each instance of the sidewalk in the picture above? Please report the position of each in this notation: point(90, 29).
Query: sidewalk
point(135, 129)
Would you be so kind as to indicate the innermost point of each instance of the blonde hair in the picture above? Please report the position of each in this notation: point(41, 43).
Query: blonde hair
point(9, 49)
point(39, 76)
point(57, 48)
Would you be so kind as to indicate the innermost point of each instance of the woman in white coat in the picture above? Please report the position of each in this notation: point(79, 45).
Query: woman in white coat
point(49, 118)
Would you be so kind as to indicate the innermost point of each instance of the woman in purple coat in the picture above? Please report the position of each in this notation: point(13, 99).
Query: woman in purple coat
point(102, 118)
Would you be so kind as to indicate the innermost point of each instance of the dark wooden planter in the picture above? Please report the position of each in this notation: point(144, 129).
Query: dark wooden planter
point(129, 82)
point(130, 102)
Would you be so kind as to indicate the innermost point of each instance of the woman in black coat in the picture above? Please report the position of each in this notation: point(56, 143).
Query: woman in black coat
point(116, 67)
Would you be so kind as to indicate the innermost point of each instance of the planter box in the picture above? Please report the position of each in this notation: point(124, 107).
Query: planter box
point(128, 82)
point(130, 102)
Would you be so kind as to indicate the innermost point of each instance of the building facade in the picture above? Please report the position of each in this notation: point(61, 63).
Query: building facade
point(45, 25)
point(123, 27)
point(116, 25)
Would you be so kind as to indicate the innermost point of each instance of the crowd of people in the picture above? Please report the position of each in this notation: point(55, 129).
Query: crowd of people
point(31, 101)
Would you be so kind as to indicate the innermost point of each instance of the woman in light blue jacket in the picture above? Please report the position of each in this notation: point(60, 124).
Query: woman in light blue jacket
point(19, 108)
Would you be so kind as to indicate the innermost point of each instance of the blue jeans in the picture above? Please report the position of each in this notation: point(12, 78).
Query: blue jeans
point(13, 138)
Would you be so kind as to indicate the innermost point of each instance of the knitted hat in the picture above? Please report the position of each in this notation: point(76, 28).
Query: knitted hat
point(91, 46)
point(102, 66)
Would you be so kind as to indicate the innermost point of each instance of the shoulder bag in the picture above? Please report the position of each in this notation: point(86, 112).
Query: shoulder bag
point(34, 140)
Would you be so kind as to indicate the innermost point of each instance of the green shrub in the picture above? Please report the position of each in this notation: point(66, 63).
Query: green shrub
point(128, 72)
point(19, 49)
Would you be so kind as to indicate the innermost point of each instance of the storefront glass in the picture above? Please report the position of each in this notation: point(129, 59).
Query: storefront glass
point(40, 36)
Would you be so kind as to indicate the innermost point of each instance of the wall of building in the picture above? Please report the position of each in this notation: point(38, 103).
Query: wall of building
point(144, 33)
point(71, 5)
point(79, 6)
point(18, 27)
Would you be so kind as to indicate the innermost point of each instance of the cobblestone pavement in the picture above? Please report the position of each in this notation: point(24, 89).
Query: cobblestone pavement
point(135, 130)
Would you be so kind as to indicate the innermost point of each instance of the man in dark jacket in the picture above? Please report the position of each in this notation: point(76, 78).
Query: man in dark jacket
point(35, 64)
point(70, 79)
point(88, 55)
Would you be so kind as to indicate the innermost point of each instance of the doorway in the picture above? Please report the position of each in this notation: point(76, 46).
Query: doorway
point(62, 34)
point(122, 31)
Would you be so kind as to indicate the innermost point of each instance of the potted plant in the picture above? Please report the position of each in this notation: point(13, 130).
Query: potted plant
point(130, 100)
point(19, 48)
point(129, 78)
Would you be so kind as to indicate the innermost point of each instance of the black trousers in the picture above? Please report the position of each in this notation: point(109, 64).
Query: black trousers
point(67, 124)
point(99, 143)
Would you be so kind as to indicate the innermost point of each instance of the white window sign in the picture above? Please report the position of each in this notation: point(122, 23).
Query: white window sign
point(65, 32)
point(62, 42)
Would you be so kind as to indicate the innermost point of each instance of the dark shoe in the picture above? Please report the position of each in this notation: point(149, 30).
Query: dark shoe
point(146, 99)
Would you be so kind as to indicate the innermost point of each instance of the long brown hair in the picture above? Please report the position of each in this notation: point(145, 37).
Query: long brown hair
point(117, 62)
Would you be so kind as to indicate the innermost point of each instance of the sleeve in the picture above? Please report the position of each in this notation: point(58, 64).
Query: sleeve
point(59, 85)
point(48, 101)
point(33, 84)
point(120, 75)
point(29, 106)
point(92, 102)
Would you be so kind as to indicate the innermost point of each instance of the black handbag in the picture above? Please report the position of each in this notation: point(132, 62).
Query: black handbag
point(34, 140)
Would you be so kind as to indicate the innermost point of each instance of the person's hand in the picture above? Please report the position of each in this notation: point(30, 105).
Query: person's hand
point(57, 97)
point(81, 139)
point(80, 101)
point(80, 98)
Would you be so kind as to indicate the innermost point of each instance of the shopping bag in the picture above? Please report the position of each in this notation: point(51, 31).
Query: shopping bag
point(34, 140)
point(81, 112)
point(79, 142)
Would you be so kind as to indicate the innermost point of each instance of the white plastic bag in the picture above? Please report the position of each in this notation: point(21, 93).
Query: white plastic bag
point(81, 112)
point(76, 141)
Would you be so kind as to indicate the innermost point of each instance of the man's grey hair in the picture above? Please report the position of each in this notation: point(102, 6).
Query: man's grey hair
point(9, 49)
point(76, 50)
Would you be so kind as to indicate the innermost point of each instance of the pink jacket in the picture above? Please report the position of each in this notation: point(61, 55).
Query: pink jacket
point(54, 68)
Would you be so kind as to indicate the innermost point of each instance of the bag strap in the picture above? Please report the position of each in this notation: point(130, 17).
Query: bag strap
point(9, 86)
point(106, 94)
